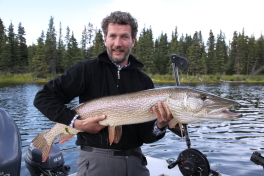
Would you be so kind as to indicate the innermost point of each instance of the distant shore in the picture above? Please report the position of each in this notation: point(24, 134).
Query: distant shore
point(29, 78)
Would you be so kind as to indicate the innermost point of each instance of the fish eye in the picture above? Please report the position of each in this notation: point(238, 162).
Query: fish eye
point(203, 97)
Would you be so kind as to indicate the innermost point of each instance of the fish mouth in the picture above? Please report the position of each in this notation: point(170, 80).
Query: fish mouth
point(224, 112)
point(231, 114)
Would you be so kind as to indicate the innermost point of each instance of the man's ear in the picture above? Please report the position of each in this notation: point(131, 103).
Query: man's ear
point(134, 41)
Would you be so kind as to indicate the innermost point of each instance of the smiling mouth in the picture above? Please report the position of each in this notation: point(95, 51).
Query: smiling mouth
point(118, 51)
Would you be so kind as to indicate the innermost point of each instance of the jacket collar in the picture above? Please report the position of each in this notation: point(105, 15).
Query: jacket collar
point(131, 59)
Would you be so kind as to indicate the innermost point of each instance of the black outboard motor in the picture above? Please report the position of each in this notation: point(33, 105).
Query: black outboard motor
point(53, 166)
point(10, 146)
point(257, 158)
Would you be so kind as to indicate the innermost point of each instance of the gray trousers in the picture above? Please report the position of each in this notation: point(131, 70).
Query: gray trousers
point(102, 162)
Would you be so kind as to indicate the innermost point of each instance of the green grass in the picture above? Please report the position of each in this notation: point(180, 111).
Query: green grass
point(208, 78)
point(24, 78)
point(28, 77)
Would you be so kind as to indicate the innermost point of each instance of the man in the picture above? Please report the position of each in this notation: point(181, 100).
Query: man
point(115, 71)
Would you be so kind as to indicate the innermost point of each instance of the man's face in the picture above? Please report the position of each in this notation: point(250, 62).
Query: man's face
point(119, 43)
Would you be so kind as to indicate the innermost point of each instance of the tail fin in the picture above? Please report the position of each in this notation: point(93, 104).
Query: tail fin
point(45, 140)
point(44, 143)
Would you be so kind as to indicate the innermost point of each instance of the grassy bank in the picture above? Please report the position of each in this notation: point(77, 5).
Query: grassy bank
point(23, 78)
point(28, 77)
point(209, 78)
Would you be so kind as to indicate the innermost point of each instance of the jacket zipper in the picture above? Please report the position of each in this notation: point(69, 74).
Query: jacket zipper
point(118, 76)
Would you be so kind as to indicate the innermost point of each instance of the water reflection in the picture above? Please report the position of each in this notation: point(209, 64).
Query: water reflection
point(228, 145)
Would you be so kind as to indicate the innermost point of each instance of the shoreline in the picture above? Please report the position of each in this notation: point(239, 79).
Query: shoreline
point(29, 78)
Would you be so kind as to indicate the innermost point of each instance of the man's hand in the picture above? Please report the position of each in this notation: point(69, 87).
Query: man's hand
point(163, 114)
point(90, 125)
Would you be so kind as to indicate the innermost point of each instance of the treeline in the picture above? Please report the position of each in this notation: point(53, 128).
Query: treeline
point(55, 53)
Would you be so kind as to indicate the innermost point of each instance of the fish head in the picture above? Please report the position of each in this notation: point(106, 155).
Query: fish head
point(189, 105)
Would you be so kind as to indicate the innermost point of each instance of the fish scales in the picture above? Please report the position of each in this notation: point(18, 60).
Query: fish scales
point(124, 109)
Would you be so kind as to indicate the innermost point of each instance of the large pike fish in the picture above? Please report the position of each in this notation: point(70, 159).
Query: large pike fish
point(188, 105)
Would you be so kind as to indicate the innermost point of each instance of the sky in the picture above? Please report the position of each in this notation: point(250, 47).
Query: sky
point(162, 16)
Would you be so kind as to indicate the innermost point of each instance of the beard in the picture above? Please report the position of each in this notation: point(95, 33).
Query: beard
point(118, 60)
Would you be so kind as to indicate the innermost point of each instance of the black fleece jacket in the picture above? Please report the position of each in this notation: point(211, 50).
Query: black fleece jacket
point(90, 79)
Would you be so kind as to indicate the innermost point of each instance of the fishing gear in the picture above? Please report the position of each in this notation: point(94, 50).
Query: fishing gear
point(191, 162)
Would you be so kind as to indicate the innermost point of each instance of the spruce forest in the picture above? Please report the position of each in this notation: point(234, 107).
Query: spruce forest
point(55, 52)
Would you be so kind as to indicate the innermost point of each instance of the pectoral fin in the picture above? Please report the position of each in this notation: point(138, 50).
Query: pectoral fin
point(65, 138)
point(173, 123)
point(180, 125)
point(115, 133)
point(118, 134)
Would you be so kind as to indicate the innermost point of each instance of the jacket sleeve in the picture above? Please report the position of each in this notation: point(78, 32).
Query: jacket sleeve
point(56, 93)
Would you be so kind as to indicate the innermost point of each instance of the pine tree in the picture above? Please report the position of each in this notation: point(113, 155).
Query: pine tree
point(39, 65)
point(174, 42)
point(238, 67)
point(90, 33)
point(252, 54)
point(161, 55)
point(139, 48)
point(232, 55)
point(31, 53)
point(181, 47)
point(145, 50)
point(22, 45)
point(158, 58)
point(173, 48)
point(210, 53)
point(9, 53)
point(242, 54)
point(194, 55)
point(51, 47)
point(221, 53)
point(67, 36)
point(3, 39)
point(98, 44)
point(84, 42)
point(61, 51)
point(260, 51)
point(203, 55)
point(73, 53)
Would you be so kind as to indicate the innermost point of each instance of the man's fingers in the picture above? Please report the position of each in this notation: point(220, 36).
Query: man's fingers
point(91, 124)
point(168, 110)
point(99, 118)
point(156, 112)
point(95, 119)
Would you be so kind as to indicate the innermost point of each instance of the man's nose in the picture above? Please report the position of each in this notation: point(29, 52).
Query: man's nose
point(118, 41)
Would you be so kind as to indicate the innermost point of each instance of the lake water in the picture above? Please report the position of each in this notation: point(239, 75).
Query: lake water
point(228, 145)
